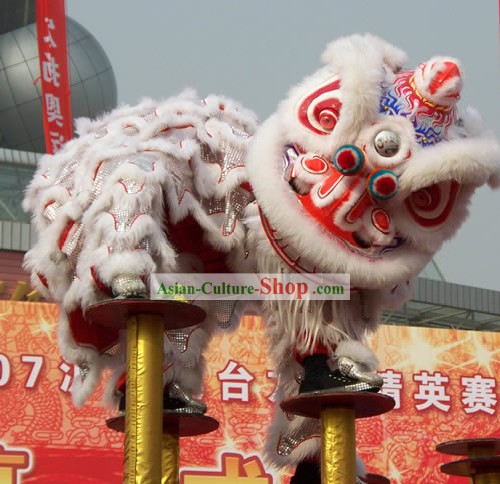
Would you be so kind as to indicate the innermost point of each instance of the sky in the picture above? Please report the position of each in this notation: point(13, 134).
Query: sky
point(255, 51)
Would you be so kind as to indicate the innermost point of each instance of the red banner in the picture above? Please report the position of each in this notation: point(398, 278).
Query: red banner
point(54, 73)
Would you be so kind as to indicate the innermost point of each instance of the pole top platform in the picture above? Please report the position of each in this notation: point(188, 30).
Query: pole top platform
point(177, 424)
point(364, 404)
point(115, 313)
point(490, 446)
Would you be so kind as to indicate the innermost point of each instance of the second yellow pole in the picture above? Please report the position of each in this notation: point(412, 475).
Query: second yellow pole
point(338, 446)
point(488, 477)
point(144, 400)
point(170, 459)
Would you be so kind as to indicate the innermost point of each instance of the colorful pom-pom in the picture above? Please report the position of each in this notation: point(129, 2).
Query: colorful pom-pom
point(382, 184)
point(348, 160)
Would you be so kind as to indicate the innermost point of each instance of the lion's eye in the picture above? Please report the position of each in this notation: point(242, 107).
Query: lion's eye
point(387, 143)
point(327, 119)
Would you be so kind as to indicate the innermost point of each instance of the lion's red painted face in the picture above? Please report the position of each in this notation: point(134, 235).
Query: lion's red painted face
point(344, 206)
point(348, 192)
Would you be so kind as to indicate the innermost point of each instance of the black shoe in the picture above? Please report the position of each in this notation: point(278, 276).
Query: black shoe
point(319, 378)
point(307, 473)
point(171, 404)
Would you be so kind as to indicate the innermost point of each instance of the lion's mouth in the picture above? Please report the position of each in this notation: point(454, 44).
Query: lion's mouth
point(296, 260)
point(372, 250)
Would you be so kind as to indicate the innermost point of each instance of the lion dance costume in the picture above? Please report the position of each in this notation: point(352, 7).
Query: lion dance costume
point(363, 169)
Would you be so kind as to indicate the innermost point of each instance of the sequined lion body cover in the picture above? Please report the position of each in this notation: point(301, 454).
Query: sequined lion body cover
point(363, 169)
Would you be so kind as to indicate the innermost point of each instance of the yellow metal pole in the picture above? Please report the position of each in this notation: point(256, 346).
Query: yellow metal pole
point(338, 446)
point(144, 402)
point(20, 291)
point(170, 459)
point(487, 478)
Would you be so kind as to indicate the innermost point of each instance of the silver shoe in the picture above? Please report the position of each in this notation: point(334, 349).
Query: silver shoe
point(352, 369)
point(128, 286)
point(192, 405)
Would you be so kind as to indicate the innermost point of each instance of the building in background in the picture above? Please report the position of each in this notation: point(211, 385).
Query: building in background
point(93, 91)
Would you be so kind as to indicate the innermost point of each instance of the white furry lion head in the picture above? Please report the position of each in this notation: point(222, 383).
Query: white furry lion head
point(366, 168)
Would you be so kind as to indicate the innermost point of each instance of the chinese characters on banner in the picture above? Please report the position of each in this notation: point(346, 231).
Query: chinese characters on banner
point(54, 73)
point(440, 395)
point(477, 393)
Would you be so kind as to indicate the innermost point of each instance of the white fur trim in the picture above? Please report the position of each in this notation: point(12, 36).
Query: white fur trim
point(79, 355)
point(467, 161)
point(345, 47)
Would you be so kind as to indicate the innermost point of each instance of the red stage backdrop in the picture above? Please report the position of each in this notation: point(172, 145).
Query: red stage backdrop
point(444, 383)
